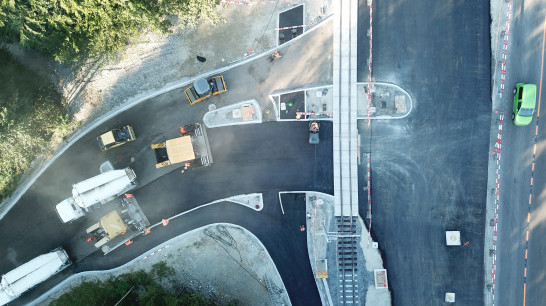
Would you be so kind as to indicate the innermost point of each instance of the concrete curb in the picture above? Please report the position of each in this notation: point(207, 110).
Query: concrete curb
point(208, 122)
point(498, 15)
point(386, 117)
point(234, 199)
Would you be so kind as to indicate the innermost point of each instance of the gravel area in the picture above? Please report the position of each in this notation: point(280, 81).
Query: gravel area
point(239, 261)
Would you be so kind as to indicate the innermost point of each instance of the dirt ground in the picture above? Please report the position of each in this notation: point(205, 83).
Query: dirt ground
point(233, 257)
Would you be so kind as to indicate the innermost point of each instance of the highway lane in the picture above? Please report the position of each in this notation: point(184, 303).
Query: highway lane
point(524, 65)
point(429, 170)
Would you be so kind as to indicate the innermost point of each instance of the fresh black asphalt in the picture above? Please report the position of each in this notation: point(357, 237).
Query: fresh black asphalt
point(429, 170)
point(267, 158)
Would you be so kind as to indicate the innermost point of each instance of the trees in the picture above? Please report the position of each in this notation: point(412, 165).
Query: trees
point(31, 113)
point(138, 288)
point(67, 30)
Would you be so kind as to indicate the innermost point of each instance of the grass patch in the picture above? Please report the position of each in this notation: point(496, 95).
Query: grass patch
point(31, 116)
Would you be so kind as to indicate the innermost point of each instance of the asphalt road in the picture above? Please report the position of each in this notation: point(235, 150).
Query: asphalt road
point(524, 65)
point(267, 157)
point(251, 158)
point(429, 170)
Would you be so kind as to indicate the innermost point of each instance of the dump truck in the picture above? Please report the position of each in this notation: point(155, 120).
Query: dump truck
point(30, 274)
point(116, 137)
point(98, 189)
point(203, 88)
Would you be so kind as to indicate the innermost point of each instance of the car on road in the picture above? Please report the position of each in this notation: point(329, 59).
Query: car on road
point(116, 137)
point(525, 98)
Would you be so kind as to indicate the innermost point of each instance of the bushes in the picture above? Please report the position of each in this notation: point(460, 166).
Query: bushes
point(31, 113)
point(141, 289)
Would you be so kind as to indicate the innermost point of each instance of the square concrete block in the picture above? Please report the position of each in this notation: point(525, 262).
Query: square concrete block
point(450, 297)
point(453, 238)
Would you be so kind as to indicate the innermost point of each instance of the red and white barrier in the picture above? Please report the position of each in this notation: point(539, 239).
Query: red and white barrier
point(496, 151)
point(505, 48)
point(295, 27)
point(369, 187)
point(155, 252)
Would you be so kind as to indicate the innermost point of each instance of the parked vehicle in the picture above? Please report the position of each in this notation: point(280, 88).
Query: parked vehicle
point(98, 189)
point(30, 274)
point(116, 137)
point(525, 99)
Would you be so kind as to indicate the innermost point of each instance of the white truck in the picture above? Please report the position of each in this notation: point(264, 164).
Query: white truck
point(30, 274)
point(98, 189)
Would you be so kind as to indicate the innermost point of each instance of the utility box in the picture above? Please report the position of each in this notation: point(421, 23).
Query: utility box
point(380, 277)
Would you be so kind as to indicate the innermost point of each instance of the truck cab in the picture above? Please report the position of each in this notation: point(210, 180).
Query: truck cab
point(68, 210)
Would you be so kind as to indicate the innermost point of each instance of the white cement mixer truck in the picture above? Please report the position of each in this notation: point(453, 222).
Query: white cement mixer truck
point(98, 189)
point(17, 281)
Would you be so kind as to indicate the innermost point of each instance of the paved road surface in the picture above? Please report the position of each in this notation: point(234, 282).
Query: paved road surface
point(429, 170)
point(524, 65)
point(278, 149)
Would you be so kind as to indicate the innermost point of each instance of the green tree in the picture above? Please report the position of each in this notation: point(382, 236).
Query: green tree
point(67, 30)
point(31, 113)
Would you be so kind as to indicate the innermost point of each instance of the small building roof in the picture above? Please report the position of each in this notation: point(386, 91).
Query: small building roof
point(180, 149)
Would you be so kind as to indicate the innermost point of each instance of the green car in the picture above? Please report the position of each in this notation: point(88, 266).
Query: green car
point(525, 98)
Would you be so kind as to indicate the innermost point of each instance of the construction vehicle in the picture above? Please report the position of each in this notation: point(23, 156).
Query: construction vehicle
point(275, 55)
point(203, 88)
point(116, 137)
point(314, 132)
point(98, 189)
point(30, 274)
point(108, 227)
point(174, 151)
